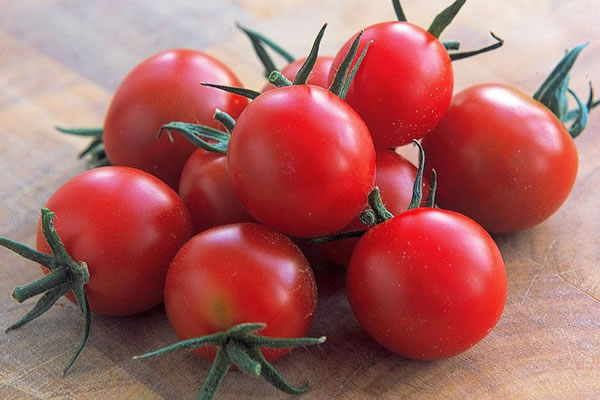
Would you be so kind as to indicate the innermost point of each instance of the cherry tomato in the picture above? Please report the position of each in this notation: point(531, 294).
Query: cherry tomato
point(165, 88)
point(206, 190)
point(301, 161)
point(503, 158)
point(395, 177)
point(427, 284)
point(404, 84)
point(240, 273)
point(126, 225)
point(319, 75)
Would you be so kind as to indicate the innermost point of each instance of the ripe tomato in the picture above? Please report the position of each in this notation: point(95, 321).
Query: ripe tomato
point(503, 158)
point(395, 177)
point(126, 225)
point(318, 77)
point(240, 273)
point(301, 161)
point(206, 190)
point(165, 88)
point(427, 284)
point(404, 84)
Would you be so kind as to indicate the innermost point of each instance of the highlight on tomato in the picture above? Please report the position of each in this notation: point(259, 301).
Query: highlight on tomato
point(240, 294)
point(105, 240)
point(404, 85)
point(507, 159)
point(426, 283)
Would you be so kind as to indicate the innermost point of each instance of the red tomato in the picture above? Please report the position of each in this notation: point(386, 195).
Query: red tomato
point(301, 161)
point(395, 177)
point(319, 75)
point(404, 84)
point(126, 225)
point(503, 158)
point(165, 88)
point(427, 284)
point(206, 191)
point(240, 273)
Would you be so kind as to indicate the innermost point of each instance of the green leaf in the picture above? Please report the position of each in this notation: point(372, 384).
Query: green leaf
point(443, 19)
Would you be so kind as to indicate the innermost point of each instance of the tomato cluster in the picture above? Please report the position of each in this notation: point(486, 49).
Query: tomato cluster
point(310, 157)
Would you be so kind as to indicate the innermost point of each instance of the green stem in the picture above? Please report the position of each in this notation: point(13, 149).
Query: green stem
point(264, 39)
point(443, 19)
point(381, 213)
point(307, 67)
point(344, 91)
point(54, 279)
point(417, 194)
point(278, 79)
point(215, 377)
point(240, 346)
point(225, 119)
point(451, 45)
point(337, 236)
point(65, 275)
point(95, 131)
point(340, 77)
point(399, 11)
point(466, 54)
point(205, 137)
point(249, 93)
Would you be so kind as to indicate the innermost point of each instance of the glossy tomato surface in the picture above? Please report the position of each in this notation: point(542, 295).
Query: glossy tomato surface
point(127, 226)
point(240, 273)
point(301, 161)
point(162, 89)
point(319, 75)
point(427, 284)
point(503, 158)
point(404, 84)
point(206, 190)
point(395, 177)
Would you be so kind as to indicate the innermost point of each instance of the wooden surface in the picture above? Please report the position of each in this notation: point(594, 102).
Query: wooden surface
point(60, 60)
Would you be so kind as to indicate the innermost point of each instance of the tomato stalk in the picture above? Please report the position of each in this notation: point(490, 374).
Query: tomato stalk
point(341, 82)
point(439, 24)
point(95, 149)
point(240, 346)
point(553, 94)
point(257, 40)
point(378, 213)
point(205, 137)
point(65, 275)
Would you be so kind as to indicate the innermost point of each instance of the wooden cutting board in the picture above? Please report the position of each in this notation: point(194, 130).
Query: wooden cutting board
point(60, 60)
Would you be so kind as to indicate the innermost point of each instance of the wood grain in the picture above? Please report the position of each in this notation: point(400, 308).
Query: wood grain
point(61, 60)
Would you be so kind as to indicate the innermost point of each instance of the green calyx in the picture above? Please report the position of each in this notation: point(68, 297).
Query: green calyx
point(439, 24)
point(378, 213)
point(553, 94)
point(341, 82)
point(259, 41)
point(95, 150)
point(204, 137)
point(65, 275)
point(240, 346)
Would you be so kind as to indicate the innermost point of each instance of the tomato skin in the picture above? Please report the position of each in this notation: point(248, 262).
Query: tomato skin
point(206, 190)
point(162, 89)
point(404, 84)
point(427, 284)
point(126, 225)
point(240, 273)
point(502, 157)
point(319, 75)
point(395, 177)
point(301, 161)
